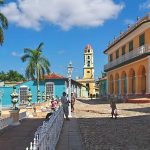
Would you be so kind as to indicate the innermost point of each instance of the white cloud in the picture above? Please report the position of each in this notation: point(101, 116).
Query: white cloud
point(64, 13)
point(145, 5)
point(15, 54)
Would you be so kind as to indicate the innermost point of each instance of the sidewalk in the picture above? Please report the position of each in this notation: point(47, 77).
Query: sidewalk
point(70, 138)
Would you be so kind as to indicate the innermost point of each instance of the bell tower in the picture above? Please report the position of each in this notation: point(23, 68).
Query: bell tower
point(88, 71)
point(88, 63)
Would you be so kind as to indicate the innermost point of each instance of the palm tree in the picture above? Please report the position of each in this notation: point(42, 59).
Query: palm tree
point(37, 64)
point(4, 24)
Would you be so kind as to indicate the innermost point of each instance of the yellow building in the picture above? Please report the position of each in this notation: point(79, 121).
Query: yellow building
point(128, 68)
point(88, 70)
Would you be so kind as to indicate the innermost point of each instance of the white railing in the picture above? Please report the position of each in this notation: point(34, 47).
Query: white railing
point(47, 135)
point(132, 54)
point(4, 122)
point(22, 115)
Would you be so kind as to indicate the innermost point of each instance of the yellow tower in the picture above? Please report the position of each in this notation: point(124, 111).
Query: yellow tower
point(88, 70)
point(88, 63)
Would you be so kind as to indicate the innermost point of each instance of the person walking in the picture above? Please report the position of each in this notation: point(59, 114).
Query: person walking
point(65, 104)
point(73, 99)
point(113, 108)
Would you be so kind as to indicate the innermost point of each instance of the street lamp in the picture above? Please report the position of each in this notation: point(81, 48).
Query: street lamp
point(70, 69)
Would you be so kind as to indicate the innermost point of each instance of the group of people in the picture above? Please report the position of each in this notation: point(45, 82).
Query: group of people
point(65, 103)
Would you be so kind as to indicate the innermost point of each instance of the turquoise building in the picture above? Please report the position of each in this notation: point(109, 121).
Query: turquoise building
point(53, 85)
point(103, 86)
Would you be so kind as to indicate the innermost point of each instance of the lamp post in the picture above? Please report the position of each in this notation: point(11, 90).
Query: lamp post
point(70, 69)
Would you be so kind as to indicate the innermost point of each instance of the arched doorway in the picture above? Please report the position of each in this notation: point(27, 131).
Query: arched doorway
point(123, 83)
point(132, 81)
point(111, 83)
point(117, 84)
point(142, 79)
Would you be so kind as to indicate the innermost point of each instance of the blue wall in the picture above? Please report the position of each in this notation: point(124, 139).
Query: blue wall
point(6, 99)
point(59, 88)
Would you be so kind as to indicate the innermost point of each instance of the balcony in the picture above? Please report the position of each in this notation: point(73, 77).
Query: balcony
point(131, 56)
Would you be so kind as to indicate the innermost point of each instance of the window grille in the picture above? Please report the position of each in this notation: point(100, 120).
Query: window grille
point(23, 94)
point(50, 88)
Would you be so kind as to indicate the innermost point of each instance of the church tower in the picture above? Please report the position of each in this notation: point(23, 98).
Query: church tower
point(88, 63)
point(88, 70)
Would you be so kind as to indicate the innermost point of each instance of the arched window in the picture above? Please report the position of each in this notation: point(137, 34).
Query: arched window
point(88, 64)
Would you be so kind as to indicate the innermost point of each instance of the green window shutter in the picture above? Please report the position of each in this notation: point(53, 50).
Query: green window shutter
point(117, 54)
point(123, 49)
point(111, 58)
point(141, 39)
point(130, 45)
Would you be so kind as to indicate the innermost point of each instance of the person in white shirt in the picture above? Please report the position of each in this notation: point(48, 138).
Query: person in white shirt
point(65, 104)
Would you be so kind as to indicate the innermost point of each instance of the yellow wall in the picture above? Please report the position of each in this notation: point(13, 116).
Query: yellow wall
point(135, 43)
point(136, 66)
point(86, 74)
point(91, 85)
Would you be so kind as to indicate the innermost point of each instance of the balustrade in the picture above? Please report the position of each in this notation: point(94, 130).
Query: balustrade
point(132, 54)
point(47, 135)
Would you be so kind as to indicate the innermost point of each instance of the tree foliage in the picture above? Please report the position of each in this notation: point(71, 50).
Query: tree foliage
point(11, 75)
point(37, 66)
point(3, 24)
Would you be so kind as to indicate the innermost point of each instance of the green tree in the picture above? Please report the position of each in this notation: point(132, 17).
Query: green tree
point(37, 64)
point(4, 24)
point(11, 75)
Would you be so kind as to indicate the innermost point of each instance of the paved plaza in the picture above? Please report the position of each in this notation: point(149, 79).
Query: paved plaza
point(90, 128)
point(99, 132)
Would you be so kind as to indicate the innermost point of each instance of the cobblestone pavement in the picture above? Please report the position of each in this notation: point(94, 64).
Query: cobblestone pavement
point(130, 131)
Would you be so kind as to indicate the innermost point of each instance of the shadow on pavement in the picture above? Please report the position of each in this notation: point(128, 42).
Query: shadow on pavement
point(94, 101)
point(129, 133)
point(19, 137)
point(143, 110)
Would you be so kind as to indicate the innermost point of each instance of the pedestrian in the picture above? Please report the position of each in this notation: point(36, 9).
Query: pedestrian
point(73, 99)
point(113, 108)
point(65, 104)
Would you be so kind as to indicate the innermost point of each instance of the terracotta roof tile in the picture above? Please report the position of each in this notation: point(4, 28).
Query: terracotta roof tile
point(54, 76)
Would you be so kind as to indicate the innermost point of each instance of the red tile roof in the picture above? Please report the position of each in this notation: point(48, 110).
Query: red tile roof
point(88, 46)
point(54, 76)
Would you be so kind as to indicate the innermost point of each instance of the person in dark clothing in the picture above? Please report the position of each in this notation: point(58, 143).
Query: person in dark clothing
point(113, 108)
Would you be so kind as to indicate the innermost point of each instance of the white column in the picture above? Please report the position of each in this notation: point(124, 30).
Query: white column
point(69, 96)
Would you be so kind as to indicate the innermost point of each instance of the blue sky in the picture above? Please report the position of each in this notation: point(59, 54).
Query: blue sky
point(65, 27)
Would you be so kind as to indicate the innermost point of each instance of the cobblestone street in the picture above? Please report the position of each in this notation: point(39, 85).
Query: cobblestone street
point(131, 131)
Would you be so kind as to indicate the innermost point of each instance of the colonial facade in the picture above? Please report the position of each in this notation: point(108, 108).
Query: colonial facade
point(88, 70)
point(128, 68)
point(54, 85)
